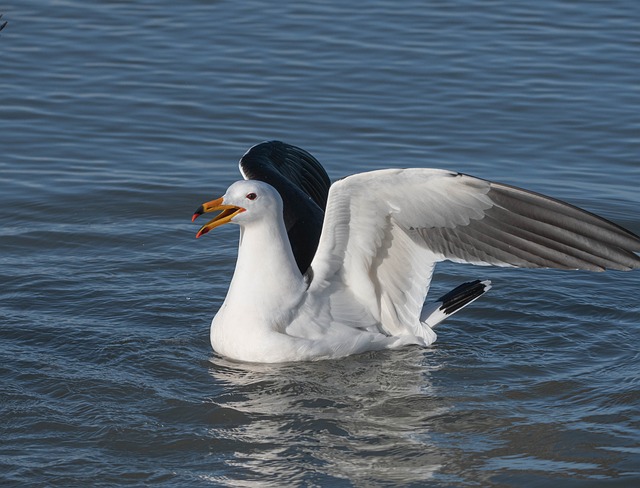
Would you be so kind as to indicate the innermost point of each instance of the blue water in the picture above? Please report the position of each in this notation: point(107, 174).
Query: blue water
point(117, 119)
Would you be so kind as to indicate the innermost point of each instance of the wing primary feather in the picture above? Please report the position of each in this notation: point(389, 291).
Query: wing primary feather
point(562, 214)
point(523, 228)
point(564, 241)
point(303, 185)
point(275, 160)
point(462, 295)
point(476, 245)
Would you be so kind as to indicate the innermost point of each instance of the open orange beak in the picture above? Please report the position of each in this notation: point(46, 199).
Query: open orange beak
point(227, 212)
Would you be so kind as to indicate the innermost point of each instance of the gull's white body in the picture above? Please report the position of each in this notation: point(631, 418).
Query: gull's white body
point(382, 235)
point(271, 314)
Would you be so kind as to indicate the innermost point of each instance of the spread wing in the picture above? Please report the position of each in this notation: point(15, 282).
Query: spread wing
point(385, 230)
point(303, 185)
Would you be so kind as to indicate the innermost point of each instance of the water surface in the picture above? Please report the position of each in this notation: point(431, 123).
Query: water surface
point(117, 119)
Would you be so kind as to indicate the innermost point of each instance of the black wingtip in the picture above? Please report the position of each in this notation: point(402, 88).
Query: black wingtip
point(463, 295)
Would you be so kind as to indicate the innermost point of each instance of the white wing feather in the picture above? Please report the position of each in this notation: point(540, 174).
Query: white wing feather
point(370, 243)
point(384, 231)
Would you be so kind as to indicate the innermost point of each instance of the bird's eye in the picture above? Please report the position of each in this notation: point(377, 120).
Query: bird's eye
point(251, 196)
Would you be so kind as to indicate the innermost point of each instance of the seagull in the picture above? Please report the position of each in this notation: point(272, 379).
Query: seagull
point(303, 185)
point(370, 268)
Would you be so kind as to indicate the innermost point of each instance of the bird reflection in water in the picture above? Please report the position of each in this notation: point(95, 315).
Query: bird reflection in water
point(363, 418)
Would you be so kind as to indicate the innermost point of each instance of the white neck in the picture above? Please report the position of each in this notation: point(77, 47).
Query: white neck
point(266, 281)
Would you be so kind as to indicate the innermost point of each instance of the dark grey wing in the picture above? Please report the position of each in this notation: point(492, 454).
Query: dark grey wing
point(303, 185)
point(526, 229)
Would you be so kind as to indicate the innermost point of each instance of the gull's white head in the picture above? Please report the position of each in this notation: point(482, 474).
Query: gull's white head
point(244, 202)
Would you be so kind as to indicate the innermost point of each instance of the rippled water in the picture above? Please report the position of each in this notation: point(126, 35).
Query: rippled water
point(117, 119)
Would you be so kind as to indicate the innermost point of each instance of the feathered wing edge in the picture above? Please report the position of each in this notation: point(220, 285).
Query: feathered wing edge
point(529, 230)
point(303, 185)
point(453, 301)
point(384, 230)
point(278, 163)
